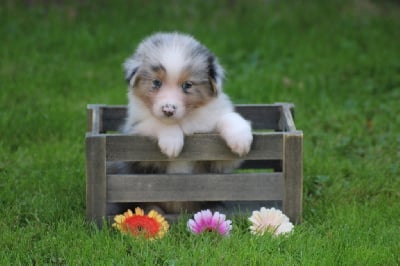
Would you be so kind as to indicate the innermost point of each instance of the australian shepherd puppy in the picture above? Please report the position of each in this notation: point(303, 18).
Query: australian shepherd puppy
point(175, 89)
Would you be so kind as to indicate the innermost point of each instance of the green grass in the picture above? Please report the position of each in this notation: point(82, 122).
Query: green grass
point(338, 61)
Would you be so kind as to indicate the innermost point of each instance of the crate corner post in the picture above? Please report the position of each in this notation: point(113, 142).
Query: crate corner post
point(293, 175)
point(96, 182)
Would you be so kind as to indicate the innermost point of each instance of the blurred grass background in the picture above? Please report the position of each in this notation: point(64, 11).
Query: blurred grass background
point(338, 61)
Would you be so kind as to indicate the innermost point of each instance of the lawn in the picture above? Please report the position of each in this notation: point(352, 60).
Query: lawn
point(338, 61)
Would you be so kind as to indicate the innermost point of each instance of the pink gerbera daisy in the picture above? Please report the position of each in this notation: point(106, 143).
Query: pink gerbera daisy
point(206, 221)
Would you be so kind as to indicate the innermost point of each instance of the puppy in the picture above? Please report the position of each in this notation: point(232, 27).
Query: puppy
point(174, 90)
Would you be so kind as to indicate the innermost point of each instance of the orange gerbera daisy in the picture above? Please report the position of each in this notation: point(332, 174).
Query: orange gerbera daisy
point(151, 226)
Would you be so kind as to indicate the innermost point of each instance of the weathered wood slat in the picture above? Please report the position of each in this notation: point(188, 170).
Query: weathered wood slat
point(204, 187)
point(262, 116)
point(266, 146)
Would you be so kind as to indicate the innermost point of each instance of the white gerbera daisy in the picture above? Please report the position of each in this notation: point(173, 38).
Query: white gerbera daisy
point(269, 220)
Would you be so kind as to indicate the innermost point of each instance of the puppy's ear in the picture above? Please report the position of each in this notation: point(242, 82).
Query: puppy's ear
point(131, 67)
point(215, 74)
point(214, 87)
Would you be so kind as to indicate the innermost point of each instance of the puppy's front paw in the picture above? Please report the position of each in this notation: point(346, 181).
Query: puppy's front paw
point(239, 141)
point(171, 142)
point(237, 133)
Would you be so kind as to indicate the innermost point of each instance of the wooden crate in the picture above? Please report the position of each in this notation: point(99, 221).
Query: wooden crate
point(277, 145)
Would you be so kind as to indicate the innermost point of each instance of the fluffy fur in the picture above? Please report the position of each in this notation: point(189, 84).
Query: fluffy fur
point(175, 89)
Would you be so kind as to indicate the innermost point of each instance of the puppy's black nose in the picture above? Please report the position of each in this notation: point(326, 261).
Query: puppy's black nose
point(168, 110)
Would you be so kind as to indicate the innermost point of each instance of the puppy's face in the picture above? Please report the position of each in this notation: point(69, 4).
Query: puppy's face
point(173, 74)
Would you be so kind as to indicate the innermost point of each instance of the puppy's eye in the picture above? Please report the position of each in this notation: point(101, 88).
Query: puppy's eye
point(186, 85)
point(157, 84)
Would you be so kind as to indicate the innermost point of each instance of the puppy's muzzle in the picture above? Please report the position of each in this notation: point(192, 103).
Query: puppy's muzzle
point(168, 110)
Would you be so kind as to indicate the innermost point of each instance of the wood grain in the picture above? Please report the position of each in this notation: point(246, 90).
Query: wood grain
point(200, 187)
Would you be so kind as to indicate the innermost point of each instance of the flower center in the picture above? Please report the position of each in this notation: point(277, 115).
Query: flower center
point(266, 227)
point(142, 225)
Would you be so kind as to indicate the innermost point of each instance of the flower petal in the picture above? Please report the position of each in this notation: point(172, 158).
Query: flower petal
point(139, 211)
point(284, 228)
point(193, 226)
point(128, 213)
point(205, 220)
point(225, 227)
point(119, 218)
point(215, 220)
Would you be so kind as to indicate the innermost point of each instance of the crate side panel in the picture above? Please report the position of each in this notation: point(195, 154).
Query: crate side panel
point(262, 116)
point(200, 187)
point(114, 117)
